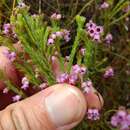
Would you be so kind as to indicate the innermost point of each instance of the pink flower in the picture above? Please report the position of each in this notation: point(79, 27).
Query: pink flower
point(99, 29)
point(90, 25)
point(91, 32)
point(25, 86)
point(66, 35)
point(104, 5)
point(128, 119)
point(96, 37)
point(10, 55)
point(126, 9)
point(108, 38)
point(63, 78)
point(67, 38)
point(50, 41)
point(16, 98)
point(67, 58)
point(76, 69)
point(7, 28)
point(109, 72)
point(43, 85)
point(53, 36)
point(83, 70)
point(94, 31)
point(25, 83)
point(82, 51)
point(21, 5)
point(72, 79)
point(114, 121)
point(121, 120)
point(87, 86)
point(93, 114)
point(59, 34)
point(56, 16)
point(5, 90)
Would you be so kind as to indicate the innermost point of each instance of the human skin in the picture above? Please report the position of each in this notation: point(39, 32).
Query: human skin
point(7, 68)
point(61, 106)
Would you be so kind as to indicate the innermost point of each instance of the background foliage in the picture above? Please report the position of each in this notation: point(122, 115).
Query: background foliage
point(116, 90)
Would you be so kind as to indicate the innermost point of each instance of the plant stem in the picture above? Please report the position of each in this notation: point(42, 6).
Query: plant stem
point(76, 43)
point(79, 13)
point(14, 2)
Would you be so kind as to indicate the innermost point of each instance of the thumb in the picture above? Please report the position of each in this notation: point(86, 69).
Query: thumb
point(59, 107)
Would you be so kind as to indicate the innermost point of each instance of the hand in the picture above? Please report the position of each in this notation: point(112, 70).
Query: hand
point(59, 107)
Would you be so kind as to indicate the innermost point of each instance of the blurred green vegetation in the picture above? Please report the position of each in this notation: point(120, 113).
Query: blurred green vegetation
point(116, 91)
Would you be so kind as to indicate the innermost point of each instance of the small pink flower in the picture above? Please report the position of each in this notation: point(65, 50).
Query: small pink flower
point(99, 29)
point(5, 90)
point(96, 37)
point(25, 86)
point(21, 5)
point(6, 53)
point(50, 41)
point(63, 78)
point(109, 72)
point(76, 69)
point(114, 121)
point(7, 28)
point(121, 120)
point(67, 58)
point(122, 114)
point(88, 83)
point(25, 83)
point(82, 51)
point(56, 16)
point(59, 34)
point(24, 79)
point(53, 36)
point(83, 70)
point(67, 38)
point(43, 86)
point(93, 114)
point(104, 5)
point(126, 9)
point(94, 31)
point(108, 38)
point(91, 32)
point(66, 35)
point(10, 55)
point(90, 25)
point(128, 119)
point(16, 98)
point(53, 16)
point(87, 86)
point(72, 79)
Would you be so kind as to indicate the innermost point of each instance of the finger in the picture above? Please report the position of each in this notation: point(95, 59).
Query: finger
point(94, 100)
point(7, 68)
point(56, 66)
point(59, 107)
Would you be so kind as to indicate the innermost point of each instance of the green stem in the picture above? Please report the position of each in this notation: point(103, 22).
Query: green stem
point(120, 18)
point(58, 4)
point(14, 2)
point(74, 48)
point(40, 6)
point(79, 13)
